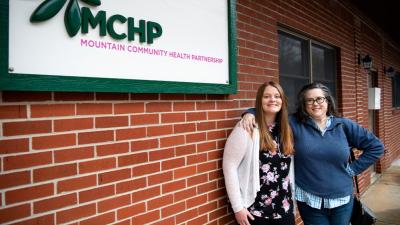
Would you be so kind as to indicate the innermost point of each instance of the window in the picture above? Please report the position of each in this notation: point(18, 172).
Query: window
point(396, 90)
point(302, 61)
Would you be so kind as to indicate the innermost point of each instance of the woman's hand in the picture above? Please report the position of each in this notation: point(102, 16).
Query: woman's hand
point(248, 122)
point(242, 217)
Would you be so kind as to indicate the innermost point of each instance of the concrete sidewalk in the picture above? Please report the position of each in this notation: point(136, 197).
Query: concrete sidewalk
point(383, 197)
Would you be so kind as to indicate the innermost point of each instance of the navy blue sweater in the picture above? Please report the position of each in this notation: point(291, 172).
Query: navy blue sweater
point(320, 160)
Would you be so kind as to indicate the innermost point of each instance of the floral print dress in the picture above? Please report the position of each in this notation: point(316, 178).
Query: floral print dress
point(274, 199)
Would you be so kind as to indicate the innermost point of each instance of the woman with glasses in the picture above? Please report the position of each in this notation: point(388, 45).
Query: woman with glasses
point(324, 184)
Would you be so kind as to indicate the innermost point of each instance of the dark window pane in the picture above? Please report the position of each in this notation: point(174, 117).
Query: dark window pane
point(323, 66)
point(293, 58)
point(396, 90)
point(292, 87)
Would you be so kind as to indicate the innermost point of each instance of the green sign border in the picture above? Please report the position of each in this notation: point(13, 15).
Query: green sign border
point(29, 82)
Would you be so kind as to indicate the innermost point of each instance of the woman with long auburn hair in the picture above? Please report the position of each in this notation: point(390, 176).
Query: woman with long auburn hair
point(258, 167)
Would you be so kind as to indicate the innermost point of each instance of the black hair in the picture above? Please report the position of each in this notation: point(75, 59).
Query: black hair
point(301, 113)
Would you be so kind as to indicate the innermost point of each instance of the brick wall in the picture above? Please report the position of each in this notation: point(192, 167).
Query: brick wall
point(108, 158)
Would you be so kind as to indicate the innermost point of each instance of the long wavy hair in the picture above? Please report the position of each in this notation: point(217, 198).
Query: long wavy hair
point(301, 112)
point(286, 135)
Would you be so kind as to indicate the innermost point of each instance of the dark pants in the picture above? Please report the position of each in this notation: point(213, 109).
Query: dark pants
point(336, 216)
point(287, 220)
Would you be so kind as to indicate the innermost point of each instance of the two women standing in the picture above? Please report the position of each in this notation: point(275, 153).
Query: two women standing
point(322, 141)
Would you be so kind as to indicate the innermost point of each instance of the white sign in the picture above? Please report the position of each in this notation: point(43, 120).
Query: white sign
point(193, 45)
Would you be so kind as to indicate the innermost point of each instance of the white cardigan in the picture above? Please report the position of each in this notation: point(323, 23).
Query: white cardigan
point(241, 168)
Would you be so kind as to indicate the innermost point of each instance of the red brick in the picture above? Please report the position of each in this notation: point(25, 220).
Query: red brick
point(146, 218)
point(185, 194)
point(95, 137)
point(14, 179)
point(24, 96)
point(172, 141)
point(27, 160)
point(158, 107)
point(160, 202)
point(196, 159)
point(173, 209)
point(173, 186)
point(160, 178)
point(185, 150)
point(196, 137)
point(113, 203)
point(93, 108)
point(128, 108)
point(26, 127)
point(216, 194)
point(196, 201)
point(197, 179)
point(145, 119)
point(108, 177)
point(218, 213)
point(13, 112)
point(184, 128)
point(206, 187)
point(195, 116)
point(145, 194)
point(73, 124)
point(144, 145)
point(75, 213)
point(103, 219)
point(54, 203)
point(206, 125)
point(73, 154)
point(14, 146)
point(205, 167)
point(97, 165)
point(216, 115)
point(173, 163)
point(53, 172)
point(184, 172)
point(96, 193)
point(227, 104)
point(205, 105)
point(112, 121)
point(54, 141)
point(162, 154)
point(131, 185)
point(112, 149)
point(167, 221)
point(131, 211)
point(173, 118)
point(185, 216)
point(146, 169)
point(125, 222)
point(199, 221)
point(159, 130)
point(226, 124)
point(76, 183)
point(130, 133)
point(52, 110)
point(207, 146)
point(14, 213)
point(29, 193)
point(73, 96)
point(183, 106)
point(209, 207)
point(42, 220)
point(219, 134)
point(133, 159)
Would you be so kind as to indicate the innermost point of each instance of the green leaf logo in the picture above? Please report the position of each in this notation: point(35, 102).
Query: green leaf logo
point(72, 17)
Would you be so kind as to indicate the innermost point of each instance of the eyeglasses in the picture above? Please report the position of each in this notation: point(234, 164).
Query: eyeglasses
point(319, 100)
